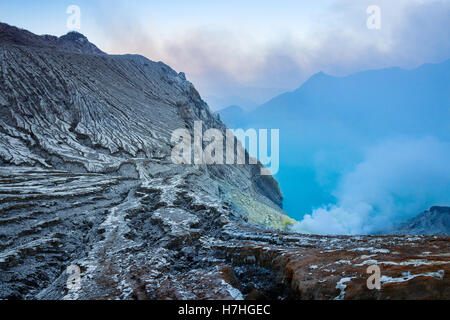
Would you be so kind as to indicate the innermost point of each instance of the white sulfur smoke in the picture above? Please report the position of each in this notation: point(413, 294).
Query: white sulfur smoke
point(397, 180)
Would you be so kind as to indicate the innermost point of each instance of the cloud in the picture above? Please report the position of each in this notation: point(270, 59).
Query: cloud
point(398, 179)
point(229, 59)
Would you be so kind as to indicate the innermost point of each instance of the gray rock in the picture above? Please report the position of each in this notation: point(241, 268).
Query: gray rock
point(73, 42)
point(86, 182)
point(86, 177)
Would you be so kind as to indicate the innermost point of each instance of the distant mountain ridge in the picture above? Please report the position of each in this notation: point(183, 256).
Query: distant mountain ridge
point(85, 148)
point(375, 92)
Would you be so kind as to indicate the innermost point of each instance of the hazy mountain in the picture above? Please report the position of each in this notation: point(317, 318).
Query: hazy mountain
point(372, 103)
point(333, 127)
point(72, 42)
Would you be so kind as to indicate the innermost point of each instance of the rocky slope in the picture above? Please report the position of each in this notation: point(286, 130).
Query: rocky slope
point(435, 221)
point(86, 180)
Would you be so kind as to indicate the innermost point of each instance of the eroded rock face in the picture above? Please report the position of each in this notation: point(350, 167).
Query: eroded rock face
point(86, 180)
point(317, 267)
point(435, 221)
point(86, 170)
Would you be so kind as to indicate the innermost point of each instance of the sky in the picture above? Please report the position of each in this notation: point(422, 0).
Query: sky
point(246, 52)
